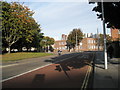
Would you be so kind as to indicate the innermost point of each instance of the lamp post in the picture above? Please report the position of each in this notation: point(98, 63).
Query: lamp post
point(98, 39)
point(104, 31)
point(76, 40)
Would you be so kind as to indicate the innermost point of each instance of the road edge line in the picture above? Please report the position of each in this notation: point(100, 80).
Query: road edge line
point(85, 82)
point(25, 72)
point(88, 77)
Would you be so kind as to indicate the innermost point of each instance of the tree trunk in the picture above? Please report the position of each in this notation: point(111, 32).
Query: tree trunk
point(27, 49)
point(74, 49)
point(9, 49)
point(45, 49)
point(78, 48)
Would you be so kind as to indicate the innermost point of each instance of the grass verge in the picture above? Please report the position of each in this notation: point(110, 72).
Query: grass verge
point(22, 55)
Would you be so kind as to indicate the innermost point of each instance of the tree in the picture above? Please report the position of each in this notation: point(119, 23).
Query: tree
point(5, 14)
point(101, 39)
point(0, 27)
point(36, 41)
point(24, 42)
point(46, 42)
point(18, 23)
point(111, 13)
point(71, 40)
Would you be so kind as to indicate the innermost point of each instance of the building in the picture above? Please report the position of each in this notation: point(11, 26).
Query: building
point(61, 44)
point(115, 34)
point(64, 37)
point(89, 44)
point(114, 47)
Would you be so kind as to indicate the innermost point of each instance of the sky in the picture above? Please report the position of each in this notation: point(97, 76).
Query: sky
point(57, 18)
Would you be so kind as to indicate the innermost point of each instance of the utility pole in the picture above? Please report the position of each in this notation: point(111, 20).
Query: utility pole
point(104, 31)
point(98, 39)
point(76, 40)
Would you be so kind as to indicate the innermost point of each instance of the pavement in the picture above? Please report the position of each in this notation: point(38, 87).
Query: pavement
point(106, 78)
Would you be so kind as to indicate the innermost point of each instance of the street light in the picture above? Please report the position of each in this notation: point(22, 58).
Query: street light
point(76, 40)
point(98, 41)
point(104, 31)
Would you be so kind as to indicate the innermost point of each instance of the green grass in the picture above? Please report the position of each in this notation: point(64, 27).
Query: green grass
point(22, 55)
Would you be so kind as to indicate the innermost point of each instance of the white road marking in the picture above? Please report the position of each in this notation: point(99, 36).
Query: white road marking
point(34, 69)
point(8, 65)
point(25, 73)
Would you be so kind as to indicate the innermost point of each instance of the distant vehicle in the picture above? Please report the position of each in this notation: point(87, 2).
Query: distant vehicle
point(59, 52)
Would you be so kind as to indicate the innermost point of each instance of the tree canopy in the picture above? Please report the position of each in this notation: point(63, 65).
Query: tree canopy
point(111, 13)
point(101, 39)
point(71, 40)
point(46, 42)
point(18, 24)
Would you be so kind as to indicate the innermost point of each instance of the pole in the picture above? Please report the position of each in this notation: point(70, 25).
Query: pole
point(76, 40)
point(104, 31)
point(98, 39)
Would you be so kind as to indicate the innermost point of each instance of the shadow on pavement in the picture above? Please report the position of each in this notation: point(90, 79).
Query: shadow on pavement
point(114, 61)
point(99, 66)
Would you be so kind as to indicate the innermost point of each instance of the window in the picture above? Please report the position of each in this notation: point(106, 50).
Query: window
point(91, 41)
point(80, 47)
point(88, 41)
point(89, 47)
point(92, 47)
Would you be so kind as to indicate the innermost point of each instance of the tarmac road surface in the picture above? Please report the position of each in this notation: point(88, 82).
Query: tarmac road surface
point(67, 73)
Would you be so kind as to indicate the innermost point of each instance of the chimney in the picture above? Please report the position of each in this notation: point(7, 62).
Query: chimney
point(64, 37)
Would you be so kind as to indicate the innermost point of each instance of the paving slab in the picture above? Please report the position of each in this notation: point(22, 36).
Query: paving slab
point(106, 78)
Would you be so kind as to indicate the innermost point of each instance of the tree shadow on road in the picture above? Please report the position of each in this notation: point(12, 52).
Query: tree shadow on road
point(68, 65)
point(72, 63)
point(38, 80)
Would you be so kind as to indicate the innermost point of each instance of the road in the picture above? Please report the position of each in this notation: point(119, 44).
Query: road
point(66, 71)
point(11, 69)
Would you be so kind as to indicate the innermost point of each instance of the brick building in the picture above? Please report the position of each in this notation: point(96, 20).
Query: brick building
point(115, 33)
point(114, 47)
point(87, 44)
point(61, 44)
